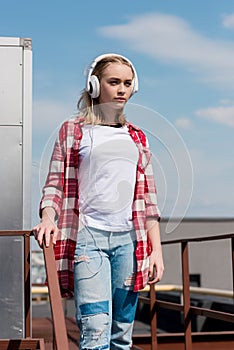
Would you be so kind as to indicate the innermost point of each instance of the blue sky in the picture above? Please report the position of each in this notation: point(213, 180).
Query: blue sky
point(183, 52)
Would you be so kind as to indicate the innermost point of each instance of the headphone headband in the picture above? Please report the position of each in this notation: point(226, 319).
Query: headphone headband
point(92, 82)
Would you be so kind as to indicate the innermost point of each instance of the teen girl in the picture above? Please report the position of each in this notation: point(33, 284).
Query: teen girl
point(99, 202)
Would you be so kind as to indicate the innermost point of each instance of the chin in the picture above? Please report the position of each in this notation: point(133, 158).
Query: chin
point(118, 105)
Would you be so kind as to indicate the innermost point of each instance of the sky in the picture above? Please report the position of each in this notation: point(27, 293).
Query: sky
point(183, 52)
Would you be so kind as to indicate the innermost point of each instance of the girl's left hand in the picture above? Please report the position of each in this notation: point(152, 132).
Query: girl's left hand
point(156, 266)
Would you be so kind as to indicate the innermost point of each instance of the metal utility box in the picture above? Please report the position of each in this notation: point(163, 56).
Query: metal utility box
point(15, 176)
point(15, 132)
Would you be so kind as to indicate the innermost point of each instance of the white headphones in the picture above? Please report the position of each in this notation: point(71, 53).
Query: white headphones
point(92, 82)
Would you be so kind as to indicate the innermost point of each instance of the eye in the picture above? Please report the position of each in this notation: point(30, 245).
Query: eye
point(128, 83)
point(113, 82)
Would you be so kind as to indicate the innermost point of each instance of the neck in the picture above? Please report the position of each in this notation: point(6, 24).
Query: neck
point(110, 115)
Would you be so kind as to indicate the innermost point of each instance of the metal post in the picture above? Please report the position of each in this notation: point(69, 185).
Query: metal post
point(27, 285)
point(186, 296)
point(232, 246)
point(153, 318)
point(55, 299)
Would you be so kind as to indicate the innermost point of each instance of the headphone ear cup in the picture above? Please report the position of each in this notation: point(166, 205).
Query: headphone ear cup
point(133, 88)
point(134, 83)
point(94, 86)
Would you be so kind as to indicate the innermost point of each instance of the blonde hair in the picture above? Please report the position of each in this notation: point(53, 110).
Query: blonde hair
point(89, 108)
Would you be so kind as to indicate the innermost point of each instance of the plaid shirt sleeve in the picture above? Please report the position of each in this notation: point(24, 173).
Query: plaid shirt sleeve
point(52, 193)
point(144, 205)
point(61, 193)
point(151, 207)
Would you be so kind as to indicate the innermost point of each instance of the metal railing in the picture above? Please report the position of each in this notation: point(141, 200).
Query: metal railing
point(59, 325)
point(186, 308)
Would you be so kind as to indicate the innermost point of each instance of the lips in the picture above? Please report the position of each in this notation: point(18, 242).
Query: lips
point(120, 99)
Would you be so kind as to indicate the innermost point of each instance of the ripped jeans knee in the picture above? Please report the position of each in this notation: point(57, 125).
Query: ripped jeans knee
point(94, 323)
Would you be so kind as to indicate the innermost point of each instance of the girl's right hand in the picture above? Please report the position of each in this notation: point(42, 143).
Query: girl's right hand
point(46, 228)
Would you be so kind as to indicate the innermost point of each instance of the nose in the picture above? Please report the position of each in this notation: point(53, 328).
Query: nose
point(121, 88)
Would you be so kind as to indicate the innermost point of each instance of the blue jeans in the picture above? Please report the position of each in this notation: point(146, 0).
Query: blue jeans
point(104, 275)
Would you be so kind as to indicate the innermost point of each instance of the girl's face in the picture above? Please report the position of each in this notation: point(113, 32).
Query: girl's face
point(116, 85)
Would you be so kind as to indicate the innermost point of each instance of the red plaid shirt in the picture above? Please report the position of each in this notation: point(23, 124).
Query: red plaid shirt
point(61, 193)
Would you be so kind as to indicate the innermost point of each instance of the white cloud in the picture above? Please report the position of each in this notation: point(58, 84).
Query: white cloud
point(171, 40)
point(183, 123)
point(226, 101)
point(228, 21)
point(220, 114)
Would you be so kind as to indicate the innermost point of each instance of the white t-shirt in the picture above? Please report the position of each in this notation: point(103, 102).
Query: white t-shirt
point(107, 176)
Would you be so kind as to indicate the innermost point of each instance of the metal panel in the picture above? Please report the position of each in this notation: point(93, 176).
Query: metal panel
point(11, 288)
point(16, 146)
point(9, 41)
point(11, 85)
point(11, 178)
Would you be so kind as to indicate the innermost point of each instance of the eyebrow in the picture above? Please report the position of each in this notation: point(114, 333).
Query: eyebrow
point(115, 78)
